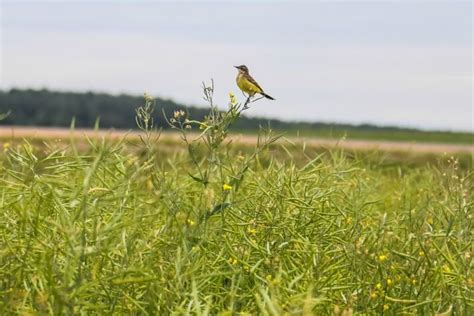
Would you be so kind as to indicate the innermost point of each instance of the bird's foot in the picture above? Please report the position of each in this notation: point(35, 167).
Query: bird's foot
point(246, 103)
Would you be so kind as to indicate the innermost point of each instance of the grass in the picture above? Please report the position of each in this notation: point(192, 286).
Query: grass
point(364, 132)
point(395, 135)
point(215, 228)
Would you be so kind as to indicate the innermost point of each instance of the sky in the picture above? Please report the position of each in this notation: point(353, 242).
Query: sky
point(403, 63)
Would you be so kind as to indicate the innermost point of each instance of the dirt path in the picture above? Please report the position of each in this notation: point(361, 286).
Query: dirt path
point(61, 133)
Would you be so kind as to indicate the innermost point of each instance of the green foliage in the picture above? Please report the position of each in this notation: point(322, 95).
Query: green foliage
point(124, 230)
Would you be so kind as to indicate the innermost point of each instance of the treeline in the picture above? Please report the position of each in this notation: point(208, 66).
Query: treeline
point(52, 108)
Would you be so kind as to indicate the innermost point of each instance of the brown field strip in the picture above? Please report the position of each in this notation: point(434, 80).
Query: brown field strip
point(20, 132)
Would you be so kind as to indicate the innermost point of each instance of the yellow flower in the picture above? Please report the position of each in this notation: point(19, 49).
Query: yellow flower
point(446, 269)
point(386, 307)
point(149, 184)
point(232, 261)
point(378, 286)
point(373, 295)
point(382, 258)
point(413, 281)
point(421, 253)
point(191, 222)
point(252, 231)
point(226, 187)
point(6, 146)
point(389, 282)
point(233, 100)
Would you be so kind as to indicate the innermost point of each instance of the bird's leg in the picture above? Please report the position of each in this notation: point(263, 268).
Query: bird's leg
point(246, 103)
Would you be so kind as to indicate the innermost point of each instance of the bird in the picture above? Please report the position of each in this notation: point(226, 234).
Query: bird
point(247, 84)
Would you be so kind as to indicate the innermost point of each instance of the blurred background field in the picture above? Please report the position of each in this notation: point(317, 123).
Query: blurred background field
point(288, 147)
point(58, 109)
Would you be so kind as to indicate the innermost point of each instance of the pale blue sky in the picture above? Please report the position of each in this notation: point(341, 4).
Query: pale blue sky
point(406, 63)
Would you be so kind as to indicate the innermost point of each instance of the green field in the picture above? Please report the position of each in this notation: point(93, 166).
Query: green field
point(211, 227)
point(403, 135)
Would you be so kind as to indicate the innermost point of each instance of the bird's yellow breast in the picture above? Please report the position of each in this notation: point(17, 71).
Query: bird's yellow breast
point(246, 86)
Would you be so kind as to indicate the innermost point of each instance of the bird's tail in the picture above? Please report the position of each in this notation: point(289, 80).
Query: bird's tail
point(267, 96)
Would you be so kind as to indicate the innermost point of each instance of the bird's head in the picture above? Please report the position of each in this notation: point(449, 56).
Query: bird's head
point(242, 68)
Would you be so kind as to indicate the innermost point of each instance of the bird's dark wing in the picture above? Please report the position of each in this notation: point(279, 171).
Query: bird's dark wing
point(249, 78)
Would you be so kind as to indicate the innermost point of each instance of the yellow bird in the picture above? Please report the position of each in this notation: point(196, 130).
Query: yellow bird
point(247, 84)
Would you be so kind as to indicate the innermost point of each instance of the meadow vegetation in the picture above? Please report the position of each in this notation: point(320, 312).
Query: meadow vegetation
point(217, 228)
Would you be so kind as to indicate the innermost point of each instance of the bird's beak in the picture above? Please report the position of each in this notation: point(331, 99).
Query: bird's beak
point(236, 67)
